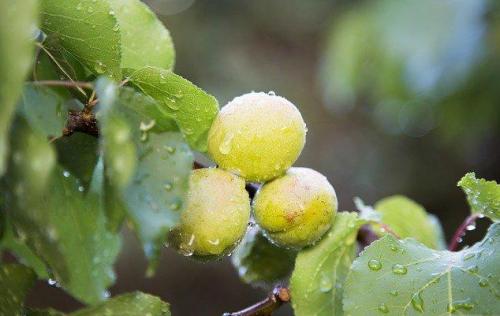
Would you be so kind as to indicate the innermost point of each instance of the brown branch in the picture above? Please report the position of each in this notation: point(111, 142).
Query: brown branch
point(266, 307)
point(68, 84)
point(461, 230)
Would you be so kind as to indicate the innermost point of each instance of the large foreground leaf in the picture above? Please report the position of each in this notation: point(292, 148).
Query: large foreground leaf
point(147, 164)
point(483, 196)
point(404, 277)
point(61, 224)
point(88, 30)
point(17, 24)
point(145, 41)
point(409, 219)
point(15, 282)
point(192, 108)
point(318, 278)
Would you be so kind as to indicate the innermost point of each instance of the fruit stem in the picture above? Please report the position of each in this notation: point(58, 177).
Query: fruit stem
point(266, 307)
point(461, 230)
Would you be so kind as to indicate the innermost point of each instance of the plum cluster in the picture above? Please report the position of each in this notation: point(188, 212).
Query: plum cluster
point(256, 137)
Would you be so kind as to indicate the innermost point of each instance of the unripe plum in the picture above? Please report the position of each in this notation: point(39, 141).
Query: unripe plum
point(257, 136)
point(216, 215)
point(297, 209)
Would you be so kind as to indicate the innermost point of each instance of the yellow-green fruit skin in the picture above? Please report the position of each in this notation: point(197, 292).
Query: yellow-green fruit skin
point(297, 209)
point(216, 215)
point(257, 136)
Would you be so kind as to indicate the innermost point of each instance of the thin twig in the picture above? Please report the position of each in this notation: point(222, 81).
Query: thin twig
point(266, 307)
point(59, 66)
point(461, 230)
point(69, 84)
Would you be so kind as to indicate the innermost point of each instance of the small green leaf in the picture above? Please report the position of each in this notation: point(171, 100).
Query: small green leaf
point(145, 41)
point(483, 196)
point(16, 280)
point(318, 278)
point(409, 219)
point(130, 304)
point(84, 28)
point(404, 277)
point(61, 224)
point(153, 192)
point(17, 24)
point(193, 109)
point(261, 263)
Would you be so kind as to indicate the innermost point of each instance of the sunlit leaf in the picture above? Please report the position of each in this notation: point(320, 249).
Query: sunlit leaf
point(409, 219)
point(144, 39)
point(404, 277)
point(17, 26)
point(318, 278)
point(483, 196)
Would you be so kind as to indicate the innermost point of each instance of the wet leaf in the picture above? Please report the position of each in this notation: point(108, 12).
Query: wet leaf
point(317, 281)
point(84, 28)
point(192, 108)
point(483, 196)
point(404, 277)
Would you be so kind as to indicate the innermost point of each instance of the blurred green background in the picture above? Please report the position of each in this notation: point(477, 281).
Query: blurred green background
point(398, 96)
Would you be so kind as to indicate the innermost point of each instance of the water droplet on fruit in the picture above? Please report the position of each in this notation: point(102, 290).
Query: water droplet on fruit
point(374, 265)
point(399, 269)
point(225, 146)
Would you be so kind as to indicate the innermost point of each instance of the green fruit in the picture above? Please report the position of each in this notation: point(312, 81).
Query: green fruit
point(297, 209)
point(216, 215)
point(257, 136)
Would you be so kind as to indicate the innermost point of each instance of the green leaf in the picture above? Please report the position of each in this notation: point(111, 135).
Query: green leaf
point(16, 280)
point(483, 196)
point(130, 304)
point(145, 41)
point(78, 154)
point(17, 25)
point(261, 263)
point(319, 274)
point(61, 224)
point(192, 108)
point(409, 219)
point(404, 277)
point(85, 29)
point(161, 162)
point(44, 109)
point(23, 253)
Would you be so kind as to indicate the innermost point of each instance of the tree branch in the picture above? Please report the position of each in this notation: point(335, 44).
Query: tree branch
point(266, 307)
point(461, 230)
point(68, 84)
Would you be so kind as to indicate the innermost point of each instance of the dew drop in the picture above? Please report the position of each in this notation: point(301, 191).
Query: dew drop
point(394, 293)
point(170, 149)
point(399, 269)
point(225, 146)
point(168, 186)
point(52, 282)
point(417, 302)
point(271, 93)
point(383, 308)
point(483, 282)
point(66, 173)
point(111, 12)
point(99, 67)
point(471, 226)
point(394, 248)
point(374, 265)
